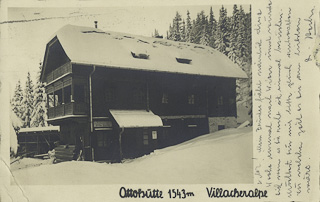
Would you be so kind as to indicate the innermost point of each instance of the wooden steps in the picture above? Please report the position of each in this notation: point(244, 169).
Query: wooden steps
point(64, 153)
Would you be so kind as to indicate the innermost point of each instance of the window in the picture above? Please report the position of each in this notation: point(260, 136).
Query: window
point(140, 55)
point(58, 98)
point(191, 99)
point(220, 100)
point(145, 137)
point(165, 98)
point(67, 94)
point(103, 140)
point(79, 93)
point(50, 100)
point(184, 60)
point(154, 135)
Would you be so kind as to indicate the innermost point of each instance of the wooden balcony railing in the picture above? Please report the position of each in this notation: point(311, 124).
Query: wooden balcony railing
point(68, 109)
point(64, 69)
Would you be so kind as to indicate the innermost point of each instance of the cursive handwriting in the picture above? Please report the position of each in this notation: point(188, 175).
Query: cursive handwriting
point(288, 41)
point(297, 38)
point(299, 155)
point(288, 178)
point(258, 26)
point(309, 20)
point(279, 35)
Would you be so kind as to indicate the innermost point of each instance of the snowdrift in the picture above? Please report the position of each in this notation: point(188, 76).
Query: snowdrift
point(221, 157)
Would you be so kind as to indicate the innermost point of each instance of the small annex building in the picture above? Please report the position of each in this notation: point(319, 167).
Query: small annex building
point(38, 140)
point(119, 95)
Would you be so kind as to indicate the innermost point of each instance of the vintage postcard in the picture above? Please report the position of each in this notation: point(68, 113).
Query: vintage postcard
point(146, 100)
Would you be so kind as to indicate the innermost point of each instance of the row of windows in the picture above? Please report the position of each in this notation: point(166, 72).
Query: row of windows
point(64, 96)
point(191, 99)
point(139, 97)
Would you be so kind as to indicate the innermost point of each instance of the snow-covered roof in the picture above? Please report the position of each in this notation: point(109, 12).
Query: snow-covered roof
point(91, 46)
point(36, 129)
point(136, 118)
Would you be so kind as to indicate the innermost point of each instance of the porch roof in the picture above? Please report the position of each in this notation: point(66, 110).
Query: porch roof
point(136, 118)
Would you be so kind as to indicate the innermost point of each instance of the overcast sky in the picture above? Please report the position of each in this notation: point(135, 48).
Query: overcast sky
point(27, 40)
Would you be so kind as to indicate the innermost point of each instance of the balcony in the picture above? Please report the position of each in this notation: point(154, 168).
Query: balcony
point(60, 71)
point(68, 109)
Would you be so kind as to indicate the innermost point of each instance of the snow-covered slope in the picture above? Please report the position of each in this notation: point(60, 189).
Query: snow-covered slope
point(221, 157)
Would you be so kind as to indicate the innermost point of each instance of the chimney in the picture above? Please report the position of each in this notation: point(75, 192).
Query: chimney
point(96, 24)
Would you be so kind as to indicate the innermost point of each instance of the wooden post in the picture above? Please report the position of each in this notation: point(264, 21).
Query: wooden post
point(72, 91)
point(63, 101)
point(37, 143)
point(25, 141)
point(207, 100)
point(148, 106)
point(54, 104)
point(120, 143)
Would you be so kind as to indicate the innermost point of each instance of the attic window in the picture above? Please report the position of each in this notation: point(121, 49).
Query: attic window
point(129, 37)
point(199, 47)
point(184, 60)
point(97, 32)
point(140, 55)
point(141, 41)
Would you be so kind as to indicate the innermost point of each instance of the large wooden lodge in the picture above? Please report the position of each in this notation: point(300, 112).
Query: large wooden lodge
point(121, 96)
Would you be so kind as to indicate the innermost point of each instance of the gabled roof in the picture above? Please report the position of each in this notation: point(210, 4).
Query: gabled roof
point(91, 46)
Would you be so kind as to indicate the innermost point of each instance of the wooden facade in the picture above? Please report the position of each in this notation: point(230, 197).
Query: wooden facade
point(82, 96)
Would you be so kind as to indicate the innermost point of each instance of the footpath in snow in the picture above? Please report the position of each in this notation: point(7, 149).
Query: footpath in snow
point(221, 157)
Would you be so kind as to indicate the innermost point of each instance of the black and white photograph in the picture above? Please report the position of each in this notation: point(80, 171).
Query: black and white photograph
point(159, 100)
point(131, 95)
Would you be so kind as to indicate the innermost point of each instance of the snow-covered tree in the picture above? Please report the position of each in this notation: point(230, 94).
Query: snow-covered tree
point(223, 32)
point(212, 28)
point(183, 31)
point(188, 27)
point(16, 124)
point(28, 101)
point(39, 113)
point(198, 28)
point(205, 37)
point(176, 27)
point(233, 52)
point(16, 101)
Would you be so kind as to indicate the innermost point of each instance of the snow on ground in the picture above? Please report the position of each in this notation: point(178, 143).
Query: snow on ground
point(28, 162)
point(221, 157)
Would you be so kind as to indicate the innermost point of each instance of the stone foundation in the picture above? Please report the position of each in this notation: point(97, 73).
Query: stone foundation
point(223, 122)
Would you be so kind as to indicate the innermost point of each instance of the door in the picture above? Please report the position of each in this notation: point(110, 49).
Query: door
point(107, 145)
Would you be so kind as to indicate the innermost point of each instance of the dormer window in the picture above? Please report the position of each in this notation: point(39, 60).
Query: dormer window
point(184, 60)
point(140, 55)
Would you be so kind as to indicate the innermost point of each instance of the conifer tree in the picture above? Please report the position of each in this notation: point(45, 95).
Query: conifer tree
point(170, 33)
point(16, 101)
point(27, 101)
point(233, 52)
point(198, 28)
point(183, 31)
point(222, 35)
point(188, 27)
point(39, 113)
point(204, 40)
point(176, 27)
point(212, 28)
